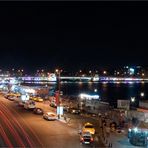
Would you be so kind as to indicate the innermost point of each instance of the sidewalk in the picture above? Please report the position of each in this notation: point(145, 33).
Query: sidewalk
point(120, 141)
point(45, 106)
point(115, 140)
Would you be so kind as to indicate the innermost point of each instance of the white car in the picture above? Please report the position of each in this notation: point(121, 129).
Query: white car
point(29, 105)
point(50, 116)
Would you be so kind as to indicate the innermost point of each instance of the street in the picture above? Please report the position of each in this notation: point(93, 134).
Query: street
point(23, 128)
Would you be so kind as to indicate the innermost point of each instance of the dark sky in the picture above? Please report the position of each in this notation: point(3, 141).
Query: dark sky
point(73, 34)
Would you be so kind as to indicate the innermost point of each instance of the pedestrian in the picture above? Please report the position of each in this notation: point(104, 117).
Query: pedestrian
point(107, 131)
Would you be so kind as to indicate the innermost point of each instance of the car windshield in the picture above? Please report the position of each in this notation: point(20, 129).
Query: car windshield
point(86, 137)
point(89, 126)
point(49, 114)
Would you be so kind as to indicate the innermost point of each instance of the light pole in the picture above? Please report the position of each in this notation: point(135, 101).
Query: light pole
point(58, 92)
point(132, 102)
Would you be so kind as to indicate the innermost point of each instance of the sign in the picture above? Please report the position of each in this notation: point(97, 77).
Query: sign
point(57, 96)
point(124, 104)
point(59, 110)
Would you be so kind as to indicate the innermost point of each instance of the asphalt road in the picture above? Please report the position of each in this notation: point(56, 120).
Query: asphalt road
point(21, 128)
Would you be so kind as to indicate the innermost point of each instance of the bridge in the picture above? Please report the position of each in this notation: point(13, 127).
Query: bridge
point(73, 78)
point(53, 78)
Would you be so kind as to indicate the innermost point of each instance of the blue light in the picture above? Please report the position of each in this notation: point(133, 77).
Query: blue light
point(135, 129)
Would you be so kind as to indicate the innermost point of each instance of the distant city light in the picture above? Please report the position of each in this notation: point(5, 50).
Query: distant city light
point(131, 71)
point(104, 72)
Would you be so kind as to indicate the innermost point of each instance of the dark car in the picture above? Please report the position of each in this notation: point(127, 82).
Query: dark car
point(65, 108)
point(75, 111)
point(38, 111)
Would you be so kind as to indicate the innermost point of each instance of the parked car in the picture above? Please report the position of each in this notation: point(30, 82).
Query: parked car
point(30, 104)
point(38, 111)
point(11, 98)
point(75, 111)
point(21, 104)
point(50, 116)
point(38, 99)
point(66, 108)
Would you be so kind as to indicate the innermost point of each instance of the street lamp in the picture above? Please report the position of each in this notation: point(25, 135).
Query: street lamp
point(133, 99)
point(104, 72)
point(58, 78)
point(95, 90)
point(58, 91)
point(142, 94)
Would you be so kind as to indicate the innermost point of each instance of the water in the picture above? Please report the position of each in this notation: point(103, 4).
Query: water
point(109, 92)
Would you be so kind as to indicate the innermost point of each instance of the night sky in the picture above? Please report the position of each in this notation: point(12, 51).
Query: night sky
point(73, 35)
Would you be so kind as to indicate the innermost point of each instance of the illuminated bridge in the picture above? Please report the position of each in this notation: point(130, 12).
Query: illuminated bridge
point(53, 78)
point(64, 78)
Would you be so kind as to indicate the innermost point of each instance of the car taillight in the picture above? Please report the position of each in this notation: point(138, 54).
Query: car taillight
point(91, 139)
point(82, 139)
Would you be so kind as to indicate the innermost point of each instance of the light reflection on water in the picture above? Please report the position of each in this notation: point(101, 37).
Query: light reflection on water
point(107, 91)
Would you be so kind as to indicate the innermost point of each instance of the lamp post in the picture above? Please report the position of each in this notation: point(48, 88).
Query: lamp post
point(132, 102)
point(58, 91)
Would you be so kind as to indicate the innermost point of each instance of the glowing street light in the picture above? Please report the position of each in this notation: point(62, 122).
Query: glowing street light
point(132, 99)
point(104, 72)
point(57, 70)
point(142, 94)
point(95, 90)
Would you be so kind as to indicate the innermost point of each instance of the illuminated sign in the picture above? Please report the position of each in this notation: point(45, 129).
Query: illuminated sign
point(59, 110)
point(89, 97)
